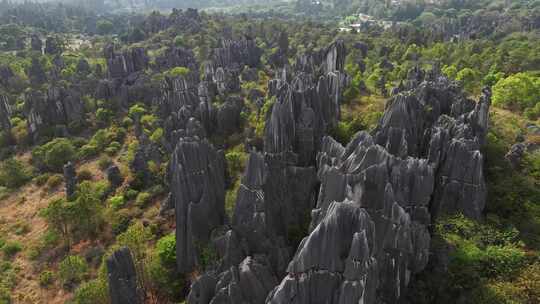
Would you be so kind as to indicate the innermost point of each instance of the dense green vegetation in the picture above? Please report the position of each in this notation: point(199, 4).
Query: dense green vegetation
point(493, 261)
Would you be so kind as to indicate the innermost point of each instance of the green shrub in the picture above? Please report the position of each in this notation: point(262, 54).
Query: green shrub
point(41, 179)
point(142, 199)
point(104, 116)
point(131, 194)
point(166, 250)
point(11, 248)
point(13, 174)
point(117, 202)
point(177, 72)
point(46, 278)
point(54, 154)
point(104, 162)
point(72, 270)
point(84, 175)
point(157, 135)
point(54, 181)
point(92, 292)
point(82, 217)
point(520, 91)
point(113, 148)
point(236, 161)
point(162, 269)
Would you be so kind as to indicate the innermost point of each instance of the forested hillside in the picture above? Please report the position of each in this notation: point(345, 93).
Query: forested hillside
point(296, 153)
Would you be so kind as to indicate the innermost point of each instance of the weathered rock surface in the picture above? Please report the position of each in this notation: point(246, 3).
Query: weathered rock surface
point(114, 176)
point(36, 73)
point(5, 114)
point(228, 115)
point(126, 63)
point(57, 107)
point(197, 183)
point(5, 75)
point(36, 44)
point(178, 57)
point(237, 53)
point(122, 278)
point(379, 194)
point(53, 46)
point(70, 179)
point(278, 189)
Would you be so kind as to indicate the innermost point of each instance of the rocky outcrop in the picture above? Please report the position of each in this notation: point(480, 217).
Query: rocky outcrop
point(83, 67)
point(278, 189)
point(126, 63)
point(227, 80)
point(5, 114)
point(249, 282)
point(364, 244)
point(36, 73)
point(114, 176)
point(122, 278)
point(236, 54)
point(5, 75)
point(378, 195)
point(58, 106)
point(302, 114)
point(197, 183)
point(36, 44)
point(178, 57)
point(70, 179)
point(228, 115)
point(53, 46)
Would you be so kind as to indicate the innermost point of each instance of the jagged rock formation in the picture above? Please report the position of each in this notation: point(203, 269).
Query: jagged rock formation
point(70, 179)
point(53, 46)
point(114, 176)
point(36, 44)
point(228, 115)
point(130, 61)
point(178, 57)
point(5, 114)
point(36, 73)
point(122, 278)
point(235, 54)
point(58, 106)
point(5, 75)
point(196, 174)
point(379, 194)
point(83, 67)
point(278, 190)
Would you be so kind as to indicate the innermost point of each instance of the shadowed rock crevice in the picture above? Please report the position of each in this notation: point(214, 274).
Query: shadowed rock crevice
point(369, 231)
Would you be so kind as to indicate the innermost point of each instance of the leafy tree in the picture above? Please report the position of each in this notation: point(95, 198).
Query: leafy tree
point(72, 270)
point(54, 154)
point(82, 217)
point(13, 174)
point(104, 27)
point(520, 91)
point(467, 77)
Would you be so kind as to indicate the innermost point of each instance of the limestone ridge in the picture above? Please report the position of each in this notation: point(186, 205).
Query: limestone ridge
point(379, 193)
point(278, 188)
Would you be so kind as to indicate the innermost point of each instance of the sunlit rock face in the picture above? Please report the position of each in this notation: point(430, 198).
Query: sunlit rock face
point(379, 194)
point(279, 187)
point(56, 107)
point(197, 184)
